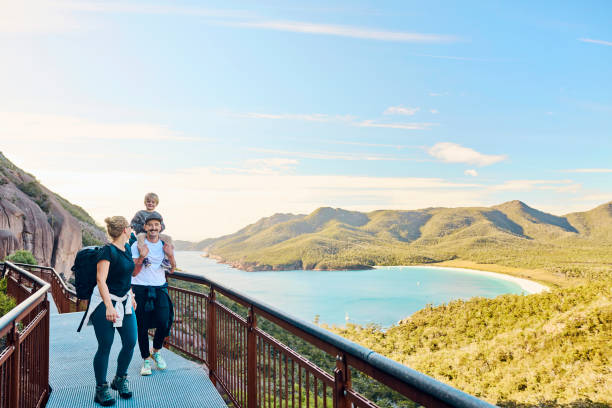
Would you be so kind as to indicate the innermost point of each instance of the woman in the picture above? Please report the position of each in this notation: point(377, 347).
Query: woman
point(112, 306)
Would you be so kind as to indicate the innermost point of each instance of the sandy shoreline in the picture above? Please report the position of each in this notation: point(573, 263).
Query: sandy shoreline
point(527, 285)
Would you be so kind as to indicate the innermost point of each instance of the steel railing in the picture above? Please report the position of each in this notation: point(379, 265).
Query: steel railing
point(255, 369)
point(24, 341)
point(64, 297)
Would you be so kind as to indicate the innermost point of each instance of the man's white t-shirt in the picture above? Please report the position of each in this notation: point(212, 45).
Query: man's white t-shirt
point(152, 275)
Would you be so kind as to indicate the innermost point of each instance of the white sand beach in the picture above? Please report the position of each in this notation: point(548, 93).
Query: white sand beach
point(530, 287)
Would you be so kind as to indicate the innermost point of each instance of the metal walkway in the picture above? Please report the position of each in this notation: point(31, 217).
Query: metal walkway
point(183, 384)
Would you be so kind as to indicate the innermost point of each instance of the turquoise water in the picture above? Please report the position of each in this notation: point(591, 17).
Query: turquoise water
point(383, 296)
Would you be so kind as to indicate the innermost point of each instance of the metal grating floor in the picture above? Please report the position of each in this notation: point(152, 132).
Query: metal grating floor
point(183, 384)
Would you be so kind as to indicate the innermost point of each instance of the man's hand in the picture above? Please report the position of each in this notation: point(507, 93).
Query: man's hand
point(134, 304)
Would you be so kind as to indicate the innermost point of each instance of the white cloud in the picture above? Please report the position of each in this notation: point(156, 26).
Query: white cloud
point(345, 31)
point(60, 128)
point(471, 172)
point(559, 186)
point(405, 126)
point(147, 8)
point(400, 110)
point(454, 153)
point(44, 16)
point(334, 155)
point(588, 171)
point(601, 42)
point(273, 165)
point(598, 197)
point(309, 117)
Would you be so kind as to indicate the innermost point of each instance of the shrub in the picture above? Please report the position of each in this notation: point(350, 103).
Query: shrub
point(34, 190)
point(6, 302)
point(88, 239)
point(22, 256)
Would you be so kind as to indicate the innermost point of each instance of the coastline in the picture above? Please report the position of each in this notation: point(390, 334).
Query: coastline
point(529, 286)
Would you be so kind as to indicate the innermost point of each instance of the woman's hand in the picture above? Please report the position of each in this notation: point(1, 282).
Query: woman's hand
point(111, 314)
point(134, 303)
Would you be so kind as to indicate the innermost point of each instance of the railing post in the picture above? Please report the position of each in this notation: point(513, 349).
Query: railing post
point(251, 359)
point(342, 381)
point(211, 335)
point(15, 377)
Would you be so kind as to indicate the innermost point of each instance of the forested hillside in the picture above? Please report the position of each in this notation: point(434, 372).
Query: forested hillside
point(548, 349)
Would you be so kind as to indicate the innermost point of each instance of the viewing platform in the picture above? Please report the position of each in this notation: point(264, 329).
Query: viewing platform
point(225, 349)
point(183, 384)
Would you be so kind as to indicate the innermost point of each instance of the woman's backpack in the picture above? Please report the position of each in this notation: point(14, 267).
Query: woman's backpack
point(85, 269)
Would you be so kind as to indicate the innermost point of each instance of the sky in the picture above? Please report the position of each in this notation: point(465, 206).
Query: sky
point(236, 110)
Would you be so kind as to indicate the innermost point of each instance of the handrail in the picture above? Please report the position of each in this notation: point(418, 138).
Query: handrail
point(391, 368)
point(24, 361)
point(53, 271)
point(14, 313)
point(65, 298)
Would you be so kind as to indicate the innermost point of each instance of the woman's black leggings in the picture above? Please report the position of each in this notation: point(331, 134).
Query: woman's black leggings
point(105, 333)
point(157, 318)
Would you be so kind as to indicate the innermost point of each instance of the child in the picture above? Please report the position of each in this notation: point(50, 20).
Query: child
point(151, 201)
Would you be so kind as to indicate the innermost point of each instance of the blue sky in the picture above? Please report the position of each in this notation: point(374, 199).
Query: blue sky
point(233, 110)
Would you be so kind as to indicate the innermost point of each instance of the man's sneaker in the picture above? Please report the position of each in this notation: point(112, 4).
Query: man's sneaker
point(103, 395)
point(121, 384)
point(146, 367)
point(146, 262)
point(161, 364)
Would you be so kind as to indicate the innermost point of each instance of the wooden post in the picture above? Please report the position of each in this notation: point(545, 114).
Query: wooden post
point(15, 375)
point(251, 359)
point(342, 382)
point(211, 336)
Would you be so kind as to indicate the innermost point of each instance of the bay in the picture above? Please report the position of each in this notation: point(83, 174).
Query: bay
point(382, 296)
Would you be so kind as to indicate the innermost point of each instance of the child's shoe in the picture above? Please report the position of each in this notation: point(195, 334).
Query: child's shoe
point(166, 265)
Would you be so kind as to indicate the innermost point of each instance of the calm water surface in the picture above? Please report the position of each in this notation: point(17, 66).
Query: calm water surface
point(381, 296)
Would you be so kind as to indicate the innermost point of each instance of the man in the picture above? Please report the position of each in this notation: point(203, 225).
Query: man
point(150, 288)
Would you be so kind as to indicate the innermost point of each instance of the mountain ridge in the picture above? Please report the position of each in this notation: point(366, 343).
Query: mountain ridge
point(334, 238)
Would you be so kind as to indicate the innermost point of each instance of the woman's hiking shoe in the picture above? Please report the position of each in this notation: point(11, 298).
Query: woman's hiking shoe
point(159, 360)
point(146, 262)
point(146, 367)
point(121, 384)
point(103, 395)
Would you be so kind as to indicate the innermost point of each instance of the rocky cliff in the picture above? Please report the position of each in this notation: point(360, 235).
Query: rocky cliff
point(35, 219)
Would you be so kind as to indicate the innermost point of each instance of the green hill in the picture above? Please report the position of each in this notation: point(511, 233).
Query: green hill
point(512, 234)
